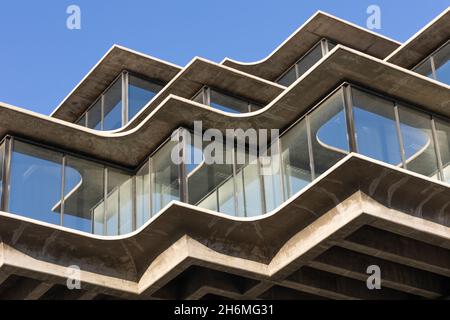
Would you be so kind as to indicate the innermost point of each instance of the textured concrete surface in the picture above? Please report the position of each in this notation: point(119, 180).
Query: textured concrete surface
point(131, 147)
point(348, 207)
point(319, 26)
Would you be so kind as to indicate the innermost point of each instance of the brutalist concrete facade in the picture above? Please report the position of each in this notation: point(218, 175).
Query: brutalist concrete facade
point(370, 188)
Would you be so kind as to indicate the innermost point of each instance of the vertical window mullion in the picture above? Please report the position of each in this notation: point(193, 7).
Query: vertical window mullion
point(7, 173)
point(150, 187)
point(284, 196)
point(400, 136)
point(437, 149)
point(182, 173)
point(105, 197)
point(433, 68)
point(310, 149)
point(102, 112)
point(124, 98)
point(63, 182)
point(349, 119)
point(235, 191)
point(207, 96)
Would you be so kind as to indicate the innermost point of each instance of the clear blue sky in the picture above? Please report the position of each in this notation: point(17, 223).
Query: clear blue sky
point(41, 60)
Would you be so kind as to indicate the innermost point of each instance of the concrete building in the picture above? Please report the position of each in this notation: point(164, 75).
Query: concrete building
point(361, 177)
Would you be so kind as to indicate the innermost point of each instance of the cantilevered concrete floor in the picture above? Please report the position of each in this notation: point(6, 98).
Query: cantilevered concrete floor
point(316, 245)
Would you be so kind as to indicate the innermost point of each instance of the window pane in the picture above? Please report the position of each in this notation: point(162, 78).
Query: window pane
point(376, 130)
point(288, 78)
point(82, 121)
point(328, 133)
point(209, 173)
point(139, 93)
point(331, 45)
point(2, 157)
point(227, 103)
point(199, 97)
point(442, 64)
point(226, 197)
point(271, 175)
point(113, 106)
point(119, 204)
point(425, 68)
point(142, 195)
point(83, 195)
point(36, 178)
point(418, 142)
point(309, 60)
point(209, 202)
point(443, 139)
point(95, 116)
point(165, 178)
point(295, 157)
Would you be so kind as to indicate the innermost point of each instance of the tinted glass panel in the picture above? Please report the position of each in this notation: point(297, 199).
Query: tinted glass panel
point(418, 142)
point(112, 107)
point(425, 68)
point(249, 188)
point(35, 185)
point(95, 116)
point(442, 64)
point(83, 195)
point(139, 93)
point(142, 195)
point(328, 133)
point(295, 157)
point(271, 174)
point(288, 78)
point(119, 204)
point(227, 103)
point(443, 139)
point(309, 60)
point(376, 130)
point(165, 178)
point(82, 121)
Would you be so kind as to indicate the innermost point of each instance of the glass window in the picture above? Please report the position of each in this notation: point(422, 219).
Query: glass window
point(200, 97)
point(295, 159)
point(2, 159)
point(95, 116)
point(249, 189)
point(165, 178)
point(209, 202)
point(82, 121)
point(83, 195)
point(271, 175)
point(309, 60)
point(331, 45)
point(143, 195)
point(205, 177)
point(119, 204)
point(443, 140)
point(375, 127)
point(35, 185)
point(289, 77)
point(425, 68)
point(418, 142)
point(112, 106)
point(140, 92)
point(442, 64)
point(329, 140)
point(227, 103)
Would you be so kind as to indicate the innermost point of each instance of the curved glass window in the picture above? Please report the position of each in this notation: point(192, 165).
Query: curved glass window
point(437, 65)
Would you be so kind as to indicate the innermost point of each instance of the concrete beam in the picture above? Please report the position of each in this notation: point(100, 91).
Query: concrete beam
point(337, 287)
point(393, 275)
point(399, 249)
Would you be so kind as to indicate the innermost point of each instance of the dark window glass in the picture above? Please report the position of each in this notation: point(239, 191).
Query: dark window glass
point(36, 178)
point(119, 204)
point(288, 78)
point(143, 195)
point(2, 159)
point(112, 106)
point(140, 92)
point(309, 60)
point(82, 121)
point(442, 64)
point(95, 116)
point(227, 103)
point(376, 130)
point(425, 68)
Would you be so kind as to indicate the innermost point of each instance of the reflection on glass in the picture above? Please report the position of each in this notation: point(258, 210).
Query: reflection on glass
point(35, 183)
point(82, 121)
point(295, 159)
point(227, 103)
point(443, 140)
point(142, 195)
point(418, 142)
point(112, 106)
point(165, 178)
point(376, 130)
point(2, 157)
point(95, 116)
point(271, 174)
point(140, 92)
point(289, 77)
point(442, 64)
point(119, 205)
point(425, 68)
point(328, 133)
point(309, 60)
point(83, 195)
